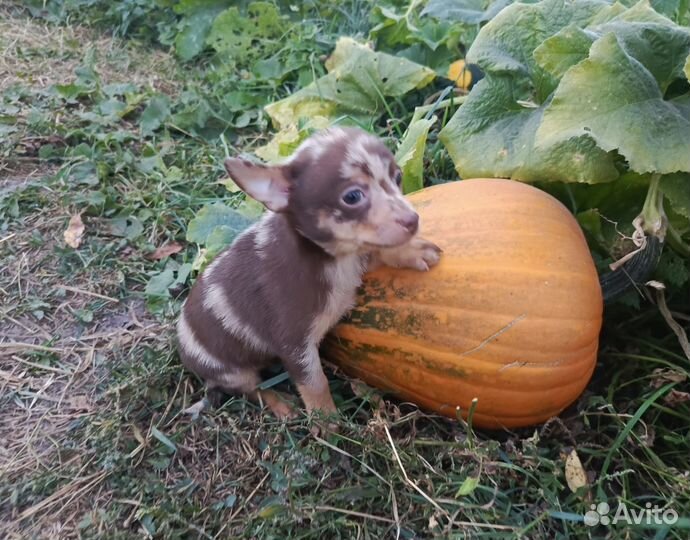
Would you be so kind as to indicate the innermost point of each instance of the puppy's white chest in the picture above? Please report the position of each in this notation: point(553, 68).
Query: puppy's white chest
point(342, 277)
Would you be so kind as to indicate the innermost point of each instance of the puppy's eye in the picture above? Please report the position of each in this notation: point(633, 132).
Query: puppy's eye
point(353, 196)
point(398, 178)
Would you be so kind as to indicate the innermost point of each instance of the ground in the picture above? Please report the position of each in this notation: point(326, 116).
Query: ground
point(93, 442)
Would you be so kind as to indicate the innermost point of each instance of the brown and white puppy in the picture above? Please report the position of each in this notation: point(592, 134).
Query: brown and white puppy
point(335, 209)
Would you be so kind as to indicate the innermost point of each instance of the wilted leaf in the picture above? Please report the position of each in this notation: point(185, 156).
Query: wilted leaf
point(613, 99)
point(661, 376)
point(165, 251)
point(268, 511)
point(430, 41)
point(220, 237)
point(251, 208)
point(410, 154)
point(73, 91)
point(365, 391)
point(575, 475)
point(358, 82)
point(286, 141)
point(74, 232)
point(281, 145)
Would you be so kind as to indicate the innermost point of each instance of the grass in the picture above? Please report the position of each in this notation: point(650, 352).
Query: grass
point(92, 440)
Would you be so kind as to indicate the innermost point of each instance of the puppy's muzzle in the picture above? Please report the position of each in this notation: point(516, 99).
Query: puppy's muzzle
point(409, 222)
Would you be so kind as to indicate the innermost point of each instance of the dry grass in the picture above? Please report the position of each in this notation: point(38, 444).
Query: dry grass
point(41, 54)
point(52, 365)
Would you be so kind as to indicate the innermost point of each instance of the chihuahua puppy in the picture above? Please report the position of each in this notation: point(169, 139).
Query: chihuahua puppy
point(335, 210)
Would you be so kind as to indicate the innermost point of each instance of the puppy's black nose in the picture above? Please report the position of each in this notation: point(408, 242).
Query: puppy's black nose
point(410, 222)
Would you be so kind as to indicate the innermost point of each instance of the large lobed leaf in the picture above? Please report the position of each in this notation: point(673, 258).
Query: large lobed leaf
point(492, 135)
point(613, 98)
point(575, 91)
point(466, 11)
point(506, 44)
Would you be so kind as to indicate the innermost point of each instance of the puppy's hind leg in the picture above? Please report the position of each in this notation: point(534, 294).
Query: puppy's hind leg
point(245, 382)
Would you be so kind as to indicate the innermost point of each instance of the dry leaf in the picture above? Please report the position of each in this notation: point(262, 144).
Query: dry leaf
point(575, 474)
point(676, 397)
point(165, 251)
point(363, 391)
point(661, 376)
point(80, 402)
point(74, 232)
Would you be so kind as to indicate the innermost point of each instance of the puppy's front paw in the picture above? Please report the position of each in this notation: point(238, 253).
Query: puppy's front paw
point(418, 254)
point(427, 254)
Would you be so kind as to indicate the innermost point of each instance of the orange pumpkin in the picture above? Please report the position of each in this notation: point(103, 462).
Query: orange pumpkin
point(510, 316)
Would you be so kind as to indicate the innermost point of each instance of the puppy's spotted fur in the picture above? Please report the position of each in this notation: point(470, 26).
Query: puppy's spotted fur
point(335, 209)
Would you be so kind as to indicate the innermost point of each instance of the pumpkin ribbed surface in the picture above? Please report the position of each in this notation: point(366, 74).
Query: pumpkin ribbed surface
point(510, 316)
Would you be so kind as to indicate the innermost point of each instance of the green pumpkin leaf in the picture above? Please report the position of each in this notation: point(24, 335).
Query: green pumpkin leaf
point(648, 37)
point(563, 50)
point(492, 135)
point(676, 188)
point(614, 99)
point(219, 238)
point(155, 114)
point(676, 10)
point(159, 284)
point(643, 33)
point(410, 154)
point(191, 39)
point(466, 11)
point(242, 39)
point(570, 88)
point(507, 43)
point(673, 269)
point(203, 228)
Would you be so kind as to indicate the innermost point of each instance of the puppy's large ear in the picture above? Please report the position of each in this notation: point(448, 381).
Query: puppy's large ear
point(266, 184)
